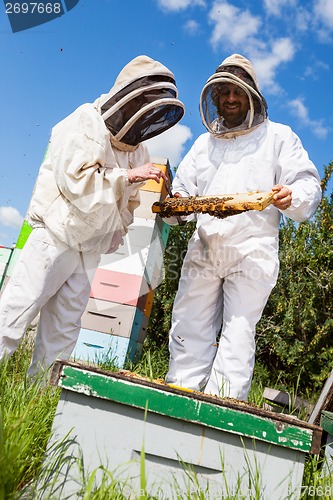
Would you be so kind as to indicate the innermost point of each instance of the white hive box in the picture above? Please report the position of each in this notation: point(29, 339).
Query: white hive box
point(226, 444)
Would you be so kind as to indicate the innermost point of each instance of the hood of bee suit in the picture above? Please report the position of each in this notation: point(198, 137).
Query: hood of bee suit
point(238, 70)
point(142, 103)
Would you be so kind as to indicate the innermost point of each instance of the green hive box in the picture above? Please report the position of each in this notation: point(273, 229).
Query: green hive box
point(24, 235)
point(5, 256)
point(223, 444)
point(326, 422)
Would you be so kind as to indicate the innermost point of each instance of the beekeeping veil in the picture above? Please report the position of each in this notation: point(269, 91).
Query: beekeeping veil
point(238, 70)
point(142, 103)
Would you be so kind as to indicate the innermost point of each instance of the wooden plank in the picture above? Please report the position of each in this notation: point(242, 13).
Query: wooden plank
point(287, 400)
point(325, 401)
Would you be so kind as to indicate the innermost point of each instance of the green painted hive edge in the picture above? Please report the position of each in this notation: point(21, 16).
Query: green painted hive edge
point(185, 408)
point(24, 235)
point(326, 421)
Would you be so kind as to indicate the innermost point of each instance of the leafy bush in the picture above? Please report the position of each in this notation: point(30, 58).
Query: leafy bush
point(160, 318)
point(295, 334)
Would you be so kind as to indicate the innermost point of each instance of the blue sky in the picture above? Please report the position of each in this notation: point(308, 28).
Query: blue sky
point(49, 70)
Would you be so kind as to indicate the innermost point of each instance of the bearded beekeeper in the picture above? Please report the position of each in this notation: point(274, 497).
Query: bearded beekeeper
point(83, 202)
point(232, 264)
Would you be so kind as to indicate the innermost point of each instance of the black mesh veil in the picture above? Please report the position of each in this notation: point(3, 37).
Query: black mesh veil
point(143, 109)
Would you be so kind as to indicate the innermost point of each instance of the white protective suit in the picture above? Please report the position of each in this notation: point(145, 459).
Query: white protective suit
point(82, 205)
point(232, 264)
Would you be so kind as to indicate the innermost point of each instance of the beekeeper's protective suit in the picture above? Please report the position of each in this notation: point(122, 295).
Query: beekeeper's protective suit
point(82, 205)
point(232, 264)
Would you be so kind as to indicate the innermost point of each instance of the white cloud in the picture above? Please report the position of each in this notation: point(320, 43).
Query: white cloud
point(277, 7)
point(232, 26)
point(314, 71)
point(301, 112)
point(170, 144)
point(176, 5)
point(324, 12)
point(303, 19)
point(11, 217)
point(192, 27)
point(235, 30)
point(268, 63)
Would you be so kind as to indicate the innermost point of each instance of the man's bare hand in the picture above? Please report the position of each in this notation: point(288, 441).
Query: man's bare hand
point(282, 197)
point(146, 172)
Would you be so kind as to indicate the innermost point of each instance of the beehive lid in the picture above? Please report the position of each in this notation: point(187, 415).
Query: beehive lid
point(220, 413)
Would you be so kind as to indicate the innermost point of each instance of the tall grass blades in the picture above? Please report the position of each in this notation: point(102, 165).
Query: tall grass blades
point(27, 411)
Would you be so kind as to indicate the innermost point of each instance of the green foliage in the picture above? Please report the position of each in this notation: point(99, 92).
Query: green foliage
point(159, 323)
point(295, 334)
point(26, 414)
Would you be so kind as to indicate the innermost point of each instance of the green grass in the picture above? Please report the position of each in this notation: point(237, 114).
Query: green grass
point(27, 410)
point(26, 415)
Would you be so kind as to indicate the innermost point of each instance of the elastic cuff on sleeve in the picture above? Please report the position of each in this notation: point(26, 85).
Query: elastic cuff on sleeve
point(127, 182)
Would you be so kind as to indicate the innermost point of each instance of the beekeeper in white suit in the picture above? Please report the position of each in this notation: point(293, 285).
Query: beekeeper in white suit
point(83, 202)
point(232, 264)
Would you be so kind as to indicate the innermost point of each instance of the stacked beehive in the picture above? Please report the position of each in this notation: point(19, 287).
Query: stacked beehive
point(9, 256)
point(115, 321)
point(5, 255)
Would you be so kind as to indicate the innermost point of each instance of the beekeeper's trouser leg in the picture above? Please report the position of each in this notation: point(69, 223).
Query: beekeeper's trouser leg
point(196, 321)
point(244, 299)
point(54, 280)
point(202, 298)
